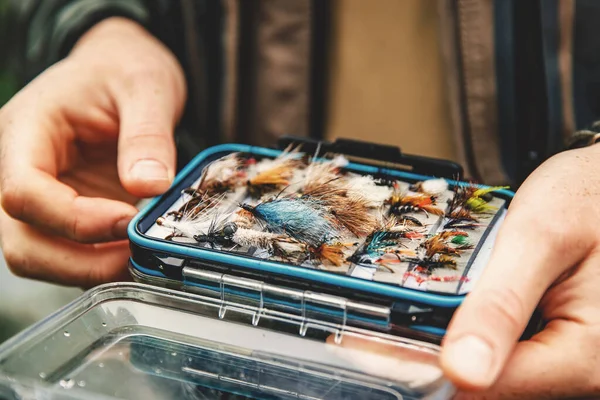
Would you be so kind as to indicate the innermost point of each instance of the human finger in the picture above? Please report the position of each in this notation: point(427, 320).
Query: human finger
point(558, 363)
point(527, 258)
point(31, 192)
point(32, 254)
point(149, 107)
point(37, 198)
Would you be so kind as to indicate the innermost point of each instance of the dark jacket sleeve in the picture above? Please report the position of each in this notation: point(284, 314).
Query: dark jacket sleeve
point(43, 31)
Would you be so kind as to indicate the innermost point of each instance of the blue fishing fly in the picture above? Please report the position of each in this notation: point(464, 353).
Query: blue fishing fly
point(302, 219)
point(378, 241)
point(375, 245)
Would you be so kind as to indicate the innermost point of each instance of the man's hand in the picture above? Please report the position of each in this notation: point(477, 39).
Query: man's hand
point(548, 253)
point(79, 146)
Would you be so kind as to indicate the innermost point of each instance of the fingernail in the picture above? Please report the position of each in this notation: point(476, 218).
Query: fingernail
point(150, 170)
point(471, 360)
point(120, 228)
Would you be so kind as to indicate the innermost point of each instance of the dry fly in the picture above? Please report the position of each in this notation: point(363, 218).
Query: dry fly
point(401, 204)
point(274, 174)
point(438, 244)
point(333, 253)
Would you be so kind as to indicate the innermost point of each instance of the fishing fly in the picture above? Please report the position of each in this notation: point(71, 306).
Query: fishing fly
point(441, 244)
point(351, 212)
point(431, 187)
point(275, 174)
point(389, 238)
point(305, 220)
point(407, 203)
point(193, 222)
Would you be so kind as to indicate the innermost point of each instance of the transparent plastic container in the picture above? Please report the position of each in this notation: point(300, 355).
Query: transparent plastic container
point(136, 341)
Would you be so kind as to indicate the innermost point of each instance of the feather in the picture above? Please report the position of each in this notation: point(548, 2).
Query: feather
point(354, 215)
point(179, 228)
point(194, 206)
point(462, 215)
point(222, 173)
point(404, 203)
point(472, 197)
point(320, 173)
point(399, 256)
point(243, 219)
point(366, 186)
point(252, 238)
point(325, 190)
point(351, 212)
point(274, 174)
point(186, 226)
point(199, 220)
point(334, 253)
point(438, 245)
point(277, 176)
point(303, 219)
point(483, 191)
point(432, 187)
point(379, 242)
point(411, 221)
point(289, 155)
point(479, 205)
point(458, 224)
point(426, 266)
point(219, 176)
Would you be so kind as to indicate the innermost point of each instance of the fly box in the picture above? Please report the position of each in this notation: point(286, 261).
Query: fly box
point(351, 233)
point(312, 271)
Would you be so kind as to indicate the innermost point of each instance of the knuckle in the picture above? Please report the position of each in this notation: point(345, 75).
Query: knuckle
point(148, 136)
point(75, 227)
point(147, 129)
point(16, 261)
point(144, 71)
point(12, 199)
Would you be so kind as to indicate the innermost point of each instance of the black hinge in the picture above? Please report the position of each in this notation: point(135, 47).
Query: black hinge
point(378, 155)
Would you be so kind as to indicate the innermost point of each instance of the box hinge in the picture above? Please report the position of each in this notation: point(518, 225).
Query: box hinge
point(306, 309)
point(375, 154)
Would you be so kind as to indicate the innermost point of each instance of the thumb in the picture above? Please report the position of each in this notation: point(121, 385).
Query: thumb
point(149, 108)
point(558, 364)
point(526, 259)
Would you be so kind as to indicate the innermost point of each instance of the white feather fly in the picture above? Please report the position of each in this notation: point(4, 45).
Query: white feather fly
point(365, 186)
point(434, 187)
point(222, 169)
point(191, 225)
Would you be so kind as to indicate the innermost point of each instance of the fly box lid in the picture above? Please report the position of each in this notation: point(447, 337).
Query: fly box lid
point(133, 341)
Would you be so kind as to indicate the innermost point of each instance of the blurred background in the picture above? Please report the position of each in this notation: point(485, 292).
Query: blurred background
point(22, 301)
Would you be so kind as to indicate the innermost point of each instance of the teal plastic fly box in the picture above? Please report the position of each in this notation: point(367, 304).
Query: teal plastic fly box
point(349, 233)
point(312, 271)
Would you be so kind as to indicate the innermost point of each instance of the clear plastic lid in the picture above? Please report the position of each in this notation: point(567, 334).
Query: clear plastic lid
point(135, 341)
